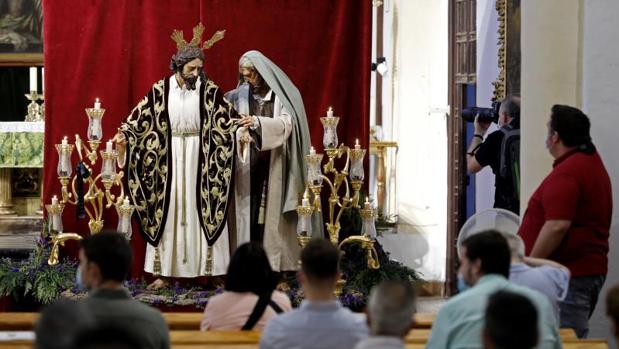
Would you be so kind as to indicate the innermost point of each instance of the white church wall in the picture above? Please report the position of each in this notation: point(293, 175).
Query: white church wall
point(420, 84)
point(568, 58)
point(600, 94)
point(487, 72)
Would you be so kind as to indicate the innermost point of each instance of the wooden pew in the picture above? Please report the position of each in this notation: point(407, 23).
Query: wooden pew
point(176, 321)
point(421, 335)
point(250, 339)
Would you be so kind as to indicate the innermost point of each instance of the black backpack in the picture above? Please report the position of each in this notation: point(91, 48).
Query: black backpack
point(509, 167)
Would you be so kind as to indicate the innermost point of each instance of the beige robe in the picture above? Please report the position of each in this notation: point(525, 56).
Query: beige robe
point(280, 237)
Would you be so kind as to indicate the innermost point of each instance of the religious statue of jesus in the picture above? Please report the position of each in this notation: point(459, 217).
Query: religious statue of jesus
point(178, 145)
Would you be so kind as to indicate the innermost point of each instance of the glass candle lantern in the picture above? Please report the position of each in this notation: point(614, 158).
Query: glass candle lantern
point(368, 215)
point(304, 222)
point(314, 173)
point(54, 212)
point(108, 168)
point(356, 163)
point(64, 168)
point(124, 218)
point(95, 130)
point(329, 124)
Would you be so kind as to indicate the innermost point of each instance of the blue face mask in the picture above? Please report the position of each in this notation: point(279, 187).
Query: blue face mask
point(462, 286)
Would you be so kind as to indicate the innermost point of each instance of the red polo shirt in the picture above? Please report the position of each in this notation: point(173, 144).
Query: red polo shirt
point(578, 189)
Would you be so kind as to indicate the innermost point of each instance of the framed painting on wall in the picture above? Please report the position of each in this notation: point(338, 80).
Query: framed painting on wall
point(21, 33)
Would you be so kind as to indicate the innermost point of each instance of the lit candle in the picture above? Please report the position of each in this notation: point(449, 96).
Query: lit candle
point(108, 146)
point(357, 145)
point(305, 202)
point(366, 205)
point(97, 104)
point(54, 200)
point(65, 142)
point(42, 79)
point(312, 151)
point(126, 202)
point(330, 112)
point(33, 79)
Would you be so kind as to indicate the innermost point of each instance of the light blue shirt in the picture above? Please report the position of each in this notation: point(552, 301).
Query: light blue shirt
point(460, 321)
point(552, 282)
point(315, 325)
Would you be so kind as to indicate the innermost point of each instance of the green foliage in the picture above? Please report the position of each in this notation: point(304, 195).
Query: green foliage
point(33, 277)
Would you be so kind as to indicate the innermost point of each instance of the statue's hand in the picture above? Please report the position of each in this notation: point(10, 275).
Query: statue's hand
point(120, 139)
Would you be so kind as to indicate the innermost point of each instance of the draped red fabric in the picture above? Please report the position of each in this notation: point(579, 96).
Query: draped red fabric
point(115, 50)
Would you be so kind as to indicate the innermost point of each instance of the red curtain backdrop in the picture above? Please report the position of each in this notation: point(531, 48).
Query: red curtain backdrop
point(115, 50)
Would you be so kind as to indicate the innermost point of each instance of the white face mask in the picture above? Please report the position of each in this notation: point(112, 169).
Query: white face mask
point(79, 283)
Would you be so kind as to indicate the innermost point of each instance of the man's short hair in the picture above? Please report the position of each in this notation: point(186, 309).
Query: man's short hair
point(391, 307)
point(573, 127)
point(111, 252)
point(320, 260)
point(511, 321)
point(516, 245)
point(492, 249)
point(612, 306)
point(511, 106)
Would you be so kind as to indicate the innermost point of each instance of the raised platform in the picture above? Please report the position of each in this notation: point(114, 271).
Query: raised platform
point(18, 234)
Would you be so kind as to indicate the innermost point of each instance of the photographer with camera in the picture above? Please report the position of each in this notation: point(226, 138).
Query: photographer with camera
point(500, 150)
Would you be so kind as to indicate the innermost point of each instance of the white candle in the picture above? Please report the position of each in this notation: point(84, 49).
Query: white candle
point(42, 79)
point(54, 200)
point(97, 104)
point(65, 141)
point(108, 146)
point(357, 145)
point(312, 151)
point(33, 79)
point(367, 204)
point(330, 112)
point(126, 202)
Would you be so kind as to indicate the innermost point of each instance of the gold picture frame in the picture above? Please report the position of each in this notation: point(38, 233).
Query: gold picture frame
point(509, 56)
point(21, 33)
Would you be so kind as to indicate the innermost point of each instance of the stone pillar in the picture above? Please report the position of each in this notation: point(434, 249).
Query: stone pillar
point(551, 74)
point(6, 194)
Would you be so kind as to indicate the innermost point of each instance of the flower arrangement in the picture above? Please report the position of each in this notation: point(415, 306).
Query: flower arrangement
point(33, 277)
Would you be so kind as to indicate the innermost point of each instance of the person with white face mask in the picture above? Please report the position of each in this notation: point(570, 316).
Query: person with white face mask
point(105, 262)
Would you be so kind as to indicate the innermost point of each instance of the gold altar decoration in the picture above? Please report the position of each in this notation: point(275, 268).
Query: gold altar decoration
point(379, 148)
point(348, 179)
point(97, 188)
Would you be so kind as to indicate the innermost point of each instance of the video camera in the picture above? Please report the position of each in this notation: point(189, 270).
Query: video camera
point(485, 114)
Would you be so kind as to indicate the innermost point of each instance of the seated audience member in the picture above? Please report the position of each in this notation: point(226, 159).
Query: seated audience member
point(510, 322)
point(108, 337)
point(612, 310)
point(543, 275)
point(321, 321)
point(484, 264)
point(105, 262)
point(61, 324)
point(391, 307)
point(250, 299)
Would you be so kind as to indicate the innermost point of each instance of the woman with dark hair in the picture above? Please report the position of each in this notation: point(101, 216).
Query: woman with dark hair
point(250, 298)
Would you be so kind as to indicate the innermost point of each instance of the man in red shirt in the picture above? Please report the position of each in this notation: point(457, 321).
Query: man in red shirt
point(568, 217)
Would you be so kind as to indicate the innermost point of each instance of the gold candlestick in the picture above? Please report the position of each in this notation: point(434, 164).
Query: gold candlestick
point(34, 109)
point(339, 181)
point(94, 195)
